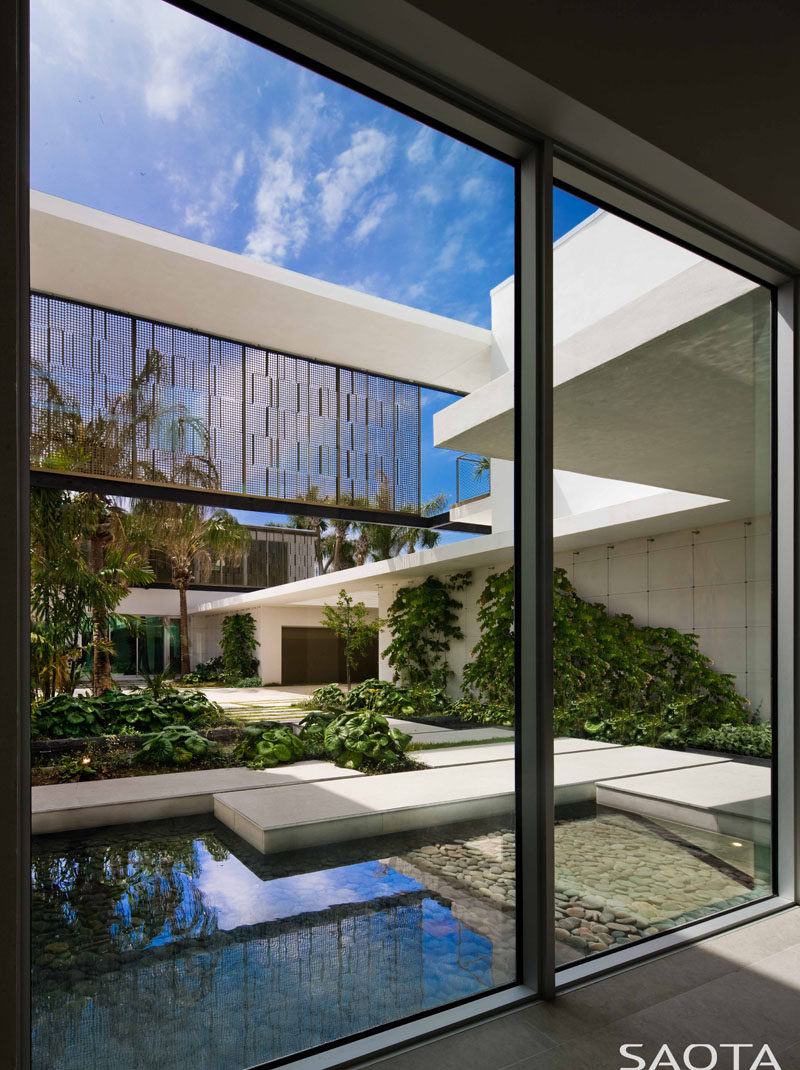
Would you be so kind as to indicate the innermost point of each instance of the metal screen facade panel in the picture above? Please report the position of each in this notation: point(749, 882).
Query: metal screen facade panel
point(128, 398)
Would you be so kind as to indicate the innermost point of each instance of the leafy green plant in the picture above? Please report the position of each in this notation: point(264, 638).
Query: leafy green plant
point(365, 740)
point(381, 696)
point(206, 672)
point(67, 717)
point(330, 698)
point(190, 707)
point(120, 713)
point(266, 745)
point(349, 622)
point(622, 683)
point(490, 675)
point(238, 644)
point(312, 733)
point(175, 744)
point(246, 681)
point(423, 620)
point(754, 740)
point(481, 712)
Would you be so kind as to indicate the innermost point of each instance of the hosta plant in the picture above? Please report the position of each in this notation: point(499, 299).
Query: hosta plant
point(176, 744)
point(266, 745)
point(365, 739)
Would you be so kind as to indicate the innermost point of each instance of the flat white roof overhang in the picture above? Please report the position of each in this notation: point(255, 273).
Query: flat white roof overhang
point(495, 550)
point(97, 258)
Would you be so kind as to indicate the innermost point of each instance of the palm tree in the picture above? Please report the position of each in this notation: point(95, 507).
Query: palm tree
point(192, 539)
point(106, 443)
point(383, 541)
point(67, 581)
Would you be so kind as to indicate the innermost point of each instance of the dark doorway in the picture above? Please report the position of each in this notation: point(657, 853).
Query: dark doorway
point(316, 656)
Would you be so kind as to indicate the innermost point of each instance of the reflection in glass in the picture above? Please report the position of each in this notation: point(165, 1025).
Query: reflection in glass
point(662, 586)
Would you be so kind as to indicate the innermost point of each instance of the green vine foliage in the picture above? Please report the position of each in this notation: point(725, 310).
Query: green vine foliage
point(612, 680)
point(490, 675)
point(621, 683)
point(423, 620)
point(239, 644)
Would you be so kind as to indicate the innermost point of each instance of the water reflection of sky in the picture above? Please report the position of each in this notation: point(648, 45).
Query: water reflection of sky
point(238, 897)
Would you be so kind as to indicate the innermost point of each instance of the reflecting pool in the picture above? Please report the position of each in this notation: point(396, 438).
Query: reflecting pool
point(174, 943)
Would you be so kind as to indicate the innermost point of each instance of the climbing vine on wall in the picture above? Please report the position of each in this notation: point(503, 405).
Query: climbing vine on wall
point(239, 644)
point(490, 675)
point(612, 680)
point(423, 620)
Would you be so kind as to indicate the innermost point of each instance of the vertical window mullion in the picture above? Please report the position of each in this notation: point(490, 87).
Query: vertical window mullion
point(533, 477)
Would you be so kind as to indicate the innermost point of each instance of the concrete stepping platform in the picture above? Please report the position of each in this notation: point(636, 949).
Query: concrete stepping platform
point(64, 807)
point(443, 757)
point(339, 810)
point(730, 798)
point(568, 745)
point(577, 773)
point(497, 752)
point(462, 735)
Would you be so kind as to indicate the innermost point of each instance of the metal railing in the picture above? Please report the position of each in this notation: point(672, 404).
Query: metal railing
point(473, 478)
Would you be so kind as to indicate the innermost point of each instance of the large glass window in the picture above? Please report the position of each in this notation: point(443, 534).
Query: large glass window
point(662, 591)
point(272, 466)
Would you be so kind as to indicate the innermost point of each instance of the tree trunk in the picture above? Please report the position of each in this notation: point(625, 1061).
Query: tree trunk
point(101, 660)
point(185, 667)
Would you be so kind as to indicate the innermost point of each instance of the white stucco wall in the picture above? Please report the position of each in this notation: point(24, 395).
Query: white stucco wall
point(460, 649)
point(713, 581)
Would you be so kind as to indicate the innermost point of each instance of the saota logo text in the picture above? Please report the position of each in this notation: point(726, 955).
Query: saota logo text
point(700, 1057)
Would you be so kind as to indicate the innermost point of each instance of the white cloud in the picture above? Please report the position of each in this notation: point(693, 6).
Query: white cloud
point(168, 59)
point(475, 188)
point(373, 217)
point(282, 206)
point(431, 193)
point(421, 148)
point(204, 215)
point(354, 169)
point(185, 55)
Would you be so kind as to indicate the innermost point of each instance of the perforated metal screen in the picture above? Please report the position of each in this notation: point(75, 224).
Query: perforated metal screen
point(122, 397)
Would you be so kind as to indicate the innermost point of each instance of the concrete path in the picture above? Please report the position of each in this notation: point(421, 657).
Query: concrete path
point(93, 803)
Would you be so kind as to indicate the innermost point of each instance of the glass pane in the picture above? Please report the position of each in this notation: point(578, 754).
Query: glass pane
point(662, 584)
point(253, 283)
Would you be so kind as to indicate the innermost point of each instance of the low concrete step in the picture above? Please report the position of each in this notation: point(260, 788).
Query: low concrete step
point(577, 773)
point(64, 807)
point(340, 810)
point(731, 798)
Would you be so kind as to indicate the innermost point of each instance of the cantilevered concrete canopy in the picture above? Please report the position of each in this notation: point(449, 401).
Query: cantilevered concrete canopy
point(684, 410)
point(495, 550)
point(90, 256)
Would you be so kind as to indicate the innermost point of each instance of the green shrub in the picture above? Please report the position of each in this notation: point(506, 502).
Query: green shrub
point(266, 745)
point(239, 644)
point(206, 672)
point(490, 675)
point(67, 717)
point(380, 696)
point(176, 744)
point(482, 712)
point(365, 740)
point(754, 740)
point(312, 733)
point(330, 698)
point(247, 681)
point(423, 620)
point(121, 713)
point(191, 707)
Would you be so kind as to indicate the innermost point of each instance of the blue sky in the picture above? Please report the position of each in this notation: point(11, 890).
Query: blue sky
point(147, 112)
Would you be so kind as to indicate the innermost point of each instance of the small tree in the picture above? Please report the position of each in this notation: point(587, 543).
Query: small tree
point(239, 646)
point(348, 621)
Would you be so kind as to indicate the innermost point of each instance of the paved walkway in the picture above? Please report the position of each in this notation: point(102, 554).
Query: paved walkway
point(320, 803)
